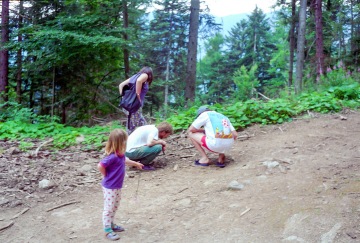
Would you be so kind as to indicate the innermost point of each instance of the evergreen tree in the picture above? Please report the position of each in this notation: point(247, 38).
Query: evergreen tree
point(167, 48)
point(259, 46)
point(236, 42)
point(249, 43)
point(73, 48)
point(214, 84)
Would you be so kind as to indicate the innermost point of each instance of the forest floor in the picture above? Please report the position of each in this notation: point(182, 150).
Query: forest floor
point(296, 182)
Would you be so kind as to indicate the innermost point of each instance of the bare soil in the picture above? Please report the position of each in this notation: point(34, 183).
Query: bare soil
point(299, 182)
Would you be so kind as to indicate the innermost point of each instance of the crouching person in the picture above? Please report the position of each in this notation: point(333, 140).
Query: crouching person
point(146, 143)
point(211, 131)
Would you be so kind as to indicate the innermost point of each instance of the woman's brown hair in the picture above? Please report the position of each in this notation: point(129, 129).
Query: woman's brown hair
point(117, 142)
point(149, 72)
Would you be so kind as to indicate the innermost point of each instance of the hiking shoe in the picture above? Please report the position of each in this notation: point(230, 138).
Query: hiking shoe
point(112, 236)
point(117, 228)
point(148, 167)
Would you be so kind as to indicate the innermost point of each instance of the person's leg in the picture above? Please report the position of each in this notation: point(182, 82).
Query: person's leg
point(130, 125)
point(136, 120)
point(221, 161)
point(195, 138)
point(141, 121)
point(221, 158)
point(109, 209)
point(117, 198)
point(145, 154)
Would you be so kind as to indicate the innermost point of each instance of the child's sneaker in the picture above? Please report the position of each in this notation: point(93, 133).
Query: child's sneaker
point(112, 236)
point(117, 228)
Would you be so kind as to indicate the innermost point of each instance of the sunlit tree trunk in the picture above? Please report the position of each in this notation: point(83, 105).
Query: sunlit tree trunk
point(166, 91)
point(300, 46)
point(53, 93)
point(292, 42)
point(19, 55)
point(125, 36)
point(319, 40)
point(192, 52)
point(4, 54)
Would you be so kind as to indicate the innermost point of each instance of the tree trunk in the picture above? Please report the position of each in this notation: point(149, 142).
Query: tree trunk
point(166, 91)
point(19, 55)
point(292, 42)
point(352, 26)
point(53, 94)
point(300, 46)
point(319, 40)
point(125, 36)
point(254, 48)
point(192, 52)
point(4, 54)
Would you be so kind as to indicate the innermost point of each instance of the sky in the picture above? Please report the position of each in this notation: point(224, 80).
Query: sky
point(221, 8)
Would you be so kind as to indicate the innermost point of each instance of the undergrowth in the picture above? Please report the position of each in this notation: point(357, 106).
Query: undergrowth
point(277, 111)
point(21, 124)
point(92, 138)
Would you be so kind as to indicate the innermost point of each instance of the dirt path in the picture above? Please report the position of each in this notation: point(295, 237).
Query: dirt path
point(300, 183)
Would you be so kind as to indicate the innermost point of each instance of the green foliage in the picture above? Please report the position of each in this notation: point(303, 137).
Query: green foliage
point(16, 112)
point(183, 120)
point(214, 80)
point(279, 64)
point(246, 82)
point(319, 102)
point(336, 77)
point(63, 136)
point(243, 114)
point(25, 146)
point(346, 92)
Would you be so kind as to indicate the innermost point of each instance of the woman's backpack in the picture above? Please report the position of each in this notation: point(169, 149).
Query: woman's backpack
point(129, 100)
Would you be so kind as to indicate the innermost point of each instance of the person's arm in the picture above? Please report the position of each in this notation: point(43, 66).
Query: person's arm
point(151, 141)
point(139, 82)
point(197, 126)
point(122, 84)
point(233, 131)
point(130, 162)
point(102, 169)
point(194, 129)
point(154, 142)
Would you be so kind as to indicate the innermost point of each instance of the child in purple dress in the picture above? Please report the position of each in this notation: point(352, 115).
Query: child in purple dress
point(112, 167)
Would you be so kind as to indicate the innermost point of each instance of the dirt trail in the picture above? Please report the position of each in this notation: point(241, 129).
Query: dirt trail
point(300, 183)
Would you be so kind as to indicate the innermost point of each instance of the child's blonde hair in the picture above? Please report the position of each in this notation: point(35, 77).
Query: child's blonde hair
point(116, 142)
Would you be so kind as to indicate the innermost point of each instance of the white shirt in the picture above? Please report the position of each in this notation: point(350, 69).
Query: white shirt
point(141, 136)
point(218, 130)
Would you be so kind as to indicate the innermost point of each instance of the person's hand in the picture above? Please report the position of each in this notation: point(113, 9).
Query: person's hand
point(163, 144)
point(234, 133)
point(139, 166)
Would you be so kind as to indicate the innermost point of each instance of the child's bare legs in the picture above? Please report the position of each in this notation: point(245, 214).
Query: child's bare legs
point(196, 140)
